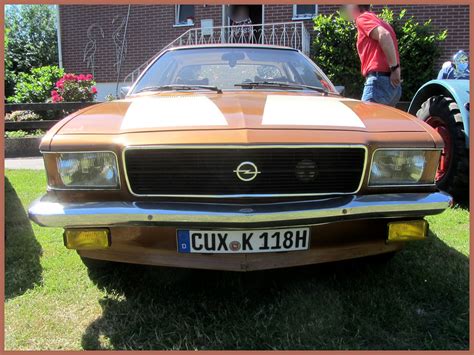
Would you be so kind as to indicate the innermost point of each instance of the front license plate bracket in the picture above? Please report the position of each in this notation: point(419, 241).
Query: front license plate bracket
point(243, 241)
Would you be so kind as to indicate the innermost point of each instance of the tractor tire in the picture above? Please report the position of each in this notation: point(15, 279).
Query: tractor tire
point(442, 113)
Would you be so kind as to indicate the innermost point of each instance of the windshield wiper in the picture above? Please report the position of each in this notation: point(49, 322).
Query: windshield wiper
point(180, 87)
point(283, 85)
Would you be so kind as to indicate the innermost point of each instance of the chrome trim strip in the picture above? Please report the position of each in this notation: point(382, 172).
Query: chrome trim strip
point(407, 185)
point(98, 214)
point(92, 188)
point(241, 146)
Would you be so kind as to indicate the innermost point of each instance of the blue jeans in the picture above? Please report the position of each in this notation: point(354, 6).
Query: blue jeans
point(379, 89)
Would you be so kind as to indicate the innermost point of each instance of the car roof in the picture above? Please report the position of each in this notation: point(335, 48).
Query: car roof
point(232, 45)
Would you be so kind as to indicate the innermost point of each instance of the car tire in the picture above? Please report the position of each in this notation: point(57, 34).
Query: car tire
point(442, 113)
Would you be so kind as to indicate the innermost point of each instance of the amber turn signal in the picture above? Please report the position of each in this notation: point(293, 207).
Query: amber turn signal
point(403, 231)
point(87, 239)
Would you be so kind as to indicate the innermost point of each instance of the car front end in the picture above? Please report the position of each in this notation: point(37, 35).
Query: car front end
point(246, 179)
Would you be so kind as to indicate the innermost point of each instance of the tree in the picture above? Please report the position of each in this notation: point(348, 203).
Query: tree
point(9, 74)
point(30, 39)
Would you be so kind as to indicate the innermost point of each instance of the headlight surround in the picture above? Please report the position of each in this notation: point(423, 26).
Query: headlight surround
point(87, 170)
point(404, 167)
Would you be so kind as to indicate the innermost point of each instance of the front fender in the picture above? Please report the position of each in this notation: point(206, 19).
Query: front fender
point(455, 88)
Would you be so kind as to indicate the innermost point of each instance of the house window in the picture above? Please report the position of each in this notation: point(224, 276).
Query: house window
point(184, 14)
point(304, 12)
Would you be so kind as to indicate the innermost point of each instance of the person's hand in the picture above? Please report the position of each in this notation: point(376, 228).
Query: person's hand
point(395, 77)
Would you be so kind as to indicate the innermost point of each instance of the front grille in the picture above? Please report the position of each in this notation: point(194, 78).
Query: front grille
point(211, 171)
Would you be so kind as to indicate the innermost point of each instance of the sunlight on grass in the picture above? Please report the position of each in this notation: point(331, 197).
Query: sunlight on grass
point(50, 313)
point(419, 300)
point(453, 226)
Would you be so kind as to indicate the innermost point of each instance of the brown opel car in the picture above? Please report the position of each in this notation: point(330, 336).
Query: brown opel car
point(238, 157)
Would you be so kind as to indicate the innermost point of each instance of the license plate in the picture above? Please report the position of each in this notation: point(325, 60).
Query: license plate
point(242, 241)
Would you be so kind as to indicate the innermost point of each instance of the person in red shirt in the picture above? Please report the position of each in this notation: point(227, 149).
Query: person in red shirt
point(377, 47)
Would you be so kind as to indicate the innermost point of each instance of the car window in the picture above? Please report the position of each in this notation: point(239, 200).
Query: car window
point(226, 67)
point(224, 76)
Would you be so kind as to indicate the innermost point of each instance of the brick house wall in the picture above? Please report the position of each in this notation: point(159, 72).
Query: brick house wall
point(151, 27)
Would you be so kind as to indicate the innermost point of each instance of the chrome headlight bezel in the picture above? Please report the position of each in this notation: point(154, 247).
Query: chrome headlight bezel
point(57, 181)
point(428, 172)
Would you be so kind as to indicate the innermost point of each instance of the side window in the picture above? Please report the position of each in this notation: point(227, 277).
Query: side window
point(184, 14)
point(304, 12)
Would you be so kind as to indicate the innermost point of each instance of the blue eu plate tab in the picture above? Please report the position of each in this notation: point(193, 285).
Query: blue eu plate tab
point(184, 245)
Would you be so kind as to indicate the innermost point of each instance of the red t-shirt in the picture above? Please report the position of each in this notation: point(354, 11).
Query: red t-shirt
point(372, 57)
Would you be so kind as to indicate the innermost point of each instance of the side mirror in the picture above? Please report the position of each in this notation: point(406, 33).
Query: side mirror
point(340, 89)
point(124, 91)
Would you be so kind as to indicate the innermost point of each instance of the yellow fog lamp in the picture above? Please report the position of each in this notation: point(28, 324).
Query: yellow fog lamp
point(87, 239)
point(403, 231)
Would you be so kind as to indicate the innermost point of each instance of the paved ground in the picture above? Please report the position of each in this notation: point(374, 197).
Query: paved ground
point(24, 163)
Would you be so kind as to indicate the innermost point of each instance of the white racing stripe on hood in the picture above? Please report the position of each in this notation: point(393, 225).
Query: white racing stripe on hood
point(172, 111)
point(308, 111)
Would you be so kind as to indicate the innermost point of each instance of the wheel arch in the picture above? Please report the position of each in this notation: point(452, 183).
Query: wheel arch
point(458, 90)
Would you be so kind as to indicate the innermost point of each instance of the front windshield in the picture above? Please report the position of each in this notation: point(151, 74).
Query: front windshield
point(227, 68)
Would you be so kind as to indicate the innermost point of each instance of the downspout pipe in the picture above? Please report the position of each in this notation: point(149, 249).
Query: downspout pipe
point(58, 33)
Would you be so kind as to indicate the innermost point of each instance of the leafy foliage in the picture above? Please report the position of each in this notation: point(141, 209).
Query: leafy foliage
point(335, 52)
point(74, 88)
point(24, 134)
point(30, 40)
point(37, 85)
point(110, 97)
point(9, 73)
point(22, 115)
point(419, 49)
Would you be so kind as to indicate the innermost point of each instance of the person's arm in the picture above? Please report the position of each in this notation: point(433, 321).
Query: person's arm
point(385, 40)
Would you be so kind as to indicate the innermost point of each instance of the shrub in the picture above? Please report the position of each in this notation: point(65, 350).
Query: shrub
point(74, 88)
point(30, 40)
point(24, 134)
point(18, 116)
point(110, 97)
point(335, 52)
point(419, 50)
point(36, 85)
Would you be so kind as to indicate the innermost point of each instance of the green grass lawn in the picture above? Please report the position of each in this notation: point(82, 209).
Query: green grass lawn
point(419, 300)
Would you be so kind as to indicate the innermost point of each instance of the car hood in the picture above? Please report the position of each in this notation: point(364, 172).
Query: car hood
point(151, 112)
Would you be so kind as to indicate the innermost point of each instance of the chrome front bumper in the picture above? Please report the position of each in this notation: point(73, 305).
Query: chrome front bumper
point(92, 214)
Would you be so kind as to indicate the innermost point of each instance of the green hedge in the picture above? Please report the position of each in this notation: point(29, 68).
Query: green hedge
point(35, 86)
point(334, 50)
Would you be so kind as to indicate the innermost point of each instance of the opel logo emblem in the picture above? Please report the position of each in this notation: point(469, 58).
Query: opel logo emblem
point(247, 171)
